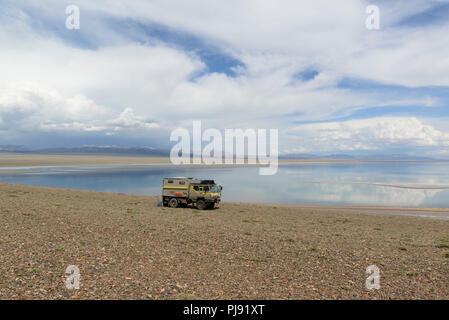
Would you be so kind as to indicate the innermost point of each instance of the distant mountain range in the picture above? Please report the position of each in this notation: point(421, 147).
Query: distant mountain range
point(355, 157)
point(155, 152)
point(112, 150)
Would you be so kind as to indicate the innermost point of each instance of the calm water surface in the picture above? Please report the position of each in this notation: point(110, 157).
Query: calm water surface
point(417, 184)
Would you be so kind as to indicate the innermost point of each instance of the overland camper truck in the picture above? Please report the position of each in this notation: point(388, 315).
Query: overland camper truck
point(204, 194)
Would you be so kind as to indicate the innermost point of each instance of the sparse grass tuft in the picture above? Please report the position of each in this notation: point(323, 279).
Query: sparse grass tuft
point(254, 259)
point(186, 296)
point(407, 273)
point(34, 270)
point(287, 240)
point(257, 259)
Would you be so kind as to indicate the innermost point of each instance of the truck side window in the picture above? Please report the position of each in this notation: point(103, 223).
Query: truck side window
point(196, 188)
point(206, 188)
point(182, 182)
point(170, 181)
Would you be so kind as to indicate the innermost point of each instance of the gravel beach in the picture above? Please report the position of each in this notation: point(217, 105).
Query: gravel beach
point(128, 248)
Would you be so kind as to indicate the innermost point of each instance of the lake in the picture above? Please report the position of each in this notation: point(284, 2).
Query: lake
point(413, 184)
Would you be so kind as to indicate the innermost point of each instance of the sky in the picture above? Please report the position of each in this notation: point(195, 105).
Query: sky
point(136, 70)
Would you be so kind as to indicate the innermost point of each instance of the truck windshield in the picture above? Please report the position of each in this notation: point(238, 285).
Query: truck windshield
point(214, 189)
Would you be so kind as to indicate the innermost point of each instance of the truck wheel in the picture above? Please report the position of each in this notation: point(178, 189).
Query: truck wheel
point(201, 205)
point(173, 203)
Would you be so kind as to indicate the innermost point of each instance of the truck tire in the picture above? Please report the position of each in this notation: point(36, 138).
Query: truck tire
point(173, 203)
point(201, 205)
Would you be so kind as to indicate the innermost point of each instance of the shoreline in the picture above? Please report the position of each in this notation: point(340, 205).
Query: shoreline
point(425, 212)
point(11, 160)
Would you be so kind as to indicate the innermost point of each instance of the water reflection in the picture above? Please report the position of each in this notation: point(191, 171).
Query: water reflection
point(390, 183)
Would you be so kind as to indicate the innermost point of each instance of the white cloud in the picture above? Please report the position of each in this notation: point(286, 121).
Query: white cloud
point(412, 58)
point(155, 81)
point(330, 35)
point(28, 105)
point(128, 120)
point(369, 134)
point(48, 84)
point(32, 108)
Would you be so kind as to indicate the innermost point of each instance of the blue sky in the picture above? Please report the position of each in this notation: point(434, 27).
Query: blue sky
point(135, 71)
